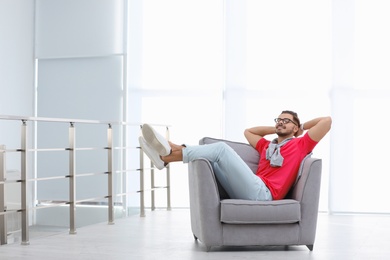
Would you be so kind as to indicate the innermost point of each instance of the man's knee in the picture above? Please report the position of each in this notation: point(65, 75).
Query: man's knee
point(222, 146)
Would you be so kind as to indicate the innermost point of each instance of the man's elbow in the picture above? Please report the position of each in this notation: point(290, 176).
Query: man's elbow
point(329, 120)
point(246, 133)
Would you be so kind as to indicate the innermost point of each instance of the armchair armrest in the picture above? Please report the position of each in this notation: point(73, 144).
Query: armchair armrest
point(204, 202)
point(307, 192)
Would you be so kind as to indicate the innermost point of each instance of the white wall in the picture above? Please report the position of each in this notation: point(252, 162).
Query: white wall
point(16, 57)
point(16, 79)
point(16, 69)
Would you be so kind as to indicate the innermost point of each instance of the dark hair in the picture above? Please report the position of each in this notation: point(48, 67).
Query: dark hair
point(295, 116)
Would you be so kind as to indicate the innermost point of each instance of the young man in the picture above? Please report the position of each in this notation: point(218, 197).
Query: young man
point(279, 159)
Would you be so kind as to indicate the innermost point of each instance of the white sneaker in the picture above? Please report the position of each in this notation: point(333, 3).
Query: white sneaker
point(151, 153)
point(155, 140)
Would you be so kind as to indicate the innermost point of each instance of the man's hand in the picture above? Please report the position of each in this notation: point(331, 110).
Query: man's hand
point(299, 132)
point(254, 134)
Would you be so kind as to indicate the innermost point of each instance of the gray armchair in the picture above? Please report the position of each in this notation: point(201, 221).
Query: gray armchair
point(217, 220)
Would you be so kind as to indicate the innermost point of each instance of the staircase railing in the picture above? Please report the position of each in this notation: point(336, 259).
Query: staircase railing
point(26, 151)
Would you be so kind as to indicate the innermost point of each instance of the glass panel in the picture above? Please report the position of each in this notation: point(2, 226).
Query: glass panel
point(79, 28)
point(288, 44)
point(80, 88)
point(372, 41)
point(182, 44)
point(370, 179)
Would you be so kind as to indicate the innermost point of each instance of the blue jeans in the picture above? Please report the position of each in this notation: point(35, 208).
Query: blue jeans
point(231, 171)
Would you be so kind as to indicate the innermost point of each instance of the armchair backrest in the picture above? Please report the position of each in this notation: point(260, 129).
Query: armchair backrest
point(245, 151)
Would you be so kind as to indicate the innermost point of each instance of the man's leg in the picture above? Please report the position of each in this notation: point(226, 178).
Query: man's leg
point(232, 172)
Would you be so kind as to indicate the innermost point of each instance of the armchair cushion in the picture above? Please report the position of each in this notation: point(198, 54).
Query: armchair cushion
point(260, 212)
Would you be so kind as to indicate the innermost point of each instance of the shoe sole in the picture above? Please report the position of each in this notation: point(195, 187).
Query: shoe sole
point(156, 140)
point(146, 151)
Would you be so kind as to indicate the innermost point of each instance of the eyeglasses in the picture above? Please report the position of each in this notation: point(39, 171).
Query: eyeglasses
point(284, 120)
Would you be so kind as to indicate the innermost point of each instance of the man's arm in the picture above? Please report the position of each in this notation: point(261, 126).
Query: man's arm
point(254, 134)
point(317, 128)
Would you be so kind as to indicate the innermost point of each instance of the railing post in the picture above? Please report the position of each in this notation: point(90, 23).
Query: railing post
point(72, 179)
point(168, 178)
point(141, 182)
point(152, 185)
point(3, 217)
point(110, 176)
point(123, 167)
point(23, 183)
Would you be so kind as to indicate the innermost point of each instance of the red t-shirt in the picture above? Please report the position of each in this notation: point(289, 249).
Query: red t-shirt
point(280, 179)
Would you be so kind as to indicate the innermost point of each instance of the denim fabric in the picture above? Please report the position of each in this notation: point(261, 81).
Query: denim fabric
point(231, 171)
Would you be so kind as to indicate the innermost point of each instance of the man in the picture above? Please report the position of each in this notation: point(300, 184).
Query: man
point(279, 159)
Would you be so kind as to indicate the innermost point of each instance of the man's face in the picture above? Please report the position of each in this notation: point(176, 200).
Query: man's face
point(286, 126)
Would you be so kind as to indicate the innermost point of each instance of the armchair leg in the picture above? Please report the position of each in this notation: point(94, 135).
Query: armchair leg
point(208, 248)
point(310, 247)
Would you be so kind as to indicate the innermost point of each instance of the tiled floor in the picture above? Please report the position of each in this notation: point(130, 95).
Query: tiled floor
point(167, 235)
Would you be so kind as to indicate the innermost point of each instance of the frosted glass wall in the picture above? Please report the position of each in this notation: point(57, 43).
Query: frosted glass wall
point(79, 52)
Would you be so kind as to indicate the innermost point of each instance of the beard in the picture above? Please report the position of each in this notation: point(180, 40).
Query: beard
point(283, 133)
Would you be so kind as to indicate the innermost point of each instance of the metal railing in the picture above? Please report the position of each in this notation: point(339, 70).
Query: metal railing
point(72, 148)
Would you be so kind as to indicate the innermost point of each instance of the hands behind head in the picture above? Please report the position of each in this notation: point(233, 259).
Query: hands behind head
point(299, 132)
